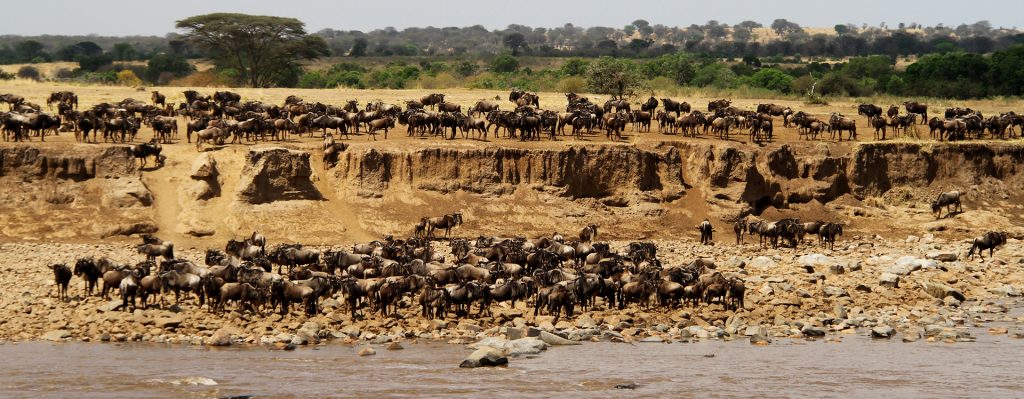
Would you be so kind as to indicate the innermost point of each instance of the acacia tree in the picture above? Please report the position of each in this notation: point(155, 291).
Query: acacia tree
point(260, 48)
point(618, 77)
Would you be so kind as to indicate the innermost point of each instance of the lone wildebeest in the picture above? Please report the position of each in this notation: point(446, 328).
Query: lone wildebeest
point(705, 232)
point(445, 222)
point(989, 241)
point(829, 232)
point(739, 228)
point(588, 233)
point(61, 278)
point(947, 199)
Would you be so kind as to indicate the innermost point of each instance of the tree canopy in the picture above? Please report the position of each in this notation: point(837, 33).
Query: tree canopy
point(261, 49)
point(618, 77)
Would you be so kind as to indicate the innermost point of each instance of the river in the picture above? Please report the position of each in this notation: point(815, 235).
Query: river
point(858, 367)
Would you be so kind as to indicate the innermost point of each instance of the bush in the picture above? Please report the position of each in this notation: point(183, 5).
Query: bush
point(572, 84)
point(29, 72)
point(771, 79)
point(162, 64)
point(6, 75)
point(504, 63)
point(575, 67)
point(95, 62)
point(715, 75)
point(128, 78)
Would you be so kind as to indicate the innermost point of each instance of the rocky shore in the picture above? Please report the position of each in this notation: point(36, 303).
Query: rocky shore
point(919, 288)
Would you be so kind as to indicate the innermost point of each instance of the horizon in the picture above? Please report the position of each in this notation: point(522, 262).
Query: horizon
point(65, 19)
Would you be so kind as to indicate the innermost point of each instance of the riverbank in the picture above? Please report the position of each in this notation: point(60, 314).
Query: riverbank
point(906, 289)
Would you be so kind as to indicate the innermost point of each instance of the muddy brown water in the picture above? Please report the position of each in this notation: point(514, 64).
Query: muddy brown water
point(858, 367)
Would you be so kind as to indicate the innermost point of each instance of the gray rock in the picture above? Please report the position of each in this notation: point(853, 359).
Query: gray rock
point(762, 262)
point(554, 340)
point(109, 306)
point(172, 321)
point(840, 311)
point(56, 335)
point(367, 351)
point(760, 339)
point(221, 337)
point(854, 266)
point(882, 332)
point(812, 331)
point(735, 263)
point(890, 280)
point(755, 330)
point(942, 291)
point(942, 256)
point(484, 357)
point(911, 336)
point(525, 346)
point(1006, 290)
point(835, 291)
point(514, 333)
point(837, 269)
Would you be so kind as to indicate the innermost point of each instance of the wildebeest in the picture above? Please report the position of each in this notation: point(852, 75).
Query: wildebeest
point(989, 241)
point(589, 233)
point(739, 227)
point(869, 110)
point(164, 249)
point(445, 222)
point(61, 278)
point(828, 234)
point(243, 249)
point(143, 151)
point(947, 199)
point(914, 107)
point(705, 232)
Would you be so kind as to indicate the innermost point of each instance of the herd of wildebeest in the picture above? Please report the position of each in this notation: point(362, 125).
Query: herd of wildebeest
point(223, 115)
point(557, 274)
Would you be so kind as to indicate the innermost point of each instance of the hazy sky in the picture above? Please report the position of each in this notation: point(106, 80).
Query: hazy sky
point(146, 17)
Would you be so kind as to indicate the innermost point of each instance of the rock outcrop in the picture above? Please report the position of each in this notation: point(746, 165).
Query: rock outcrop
point(276, 174)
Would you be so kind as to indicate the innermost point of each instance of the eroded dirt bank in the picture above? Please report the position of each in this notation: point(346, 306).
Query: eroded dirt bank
point(87, 193)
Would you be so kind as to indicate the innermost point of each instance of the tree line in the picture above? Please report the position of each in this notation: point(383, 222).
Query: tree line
point(261, 51)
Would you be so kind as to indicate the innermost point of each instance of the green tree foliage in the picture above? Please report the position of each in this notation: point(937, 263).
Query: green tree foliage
point(263, 49)
point(771, 79)
point(94, 62)
point(575, 67)
point(124, 52)
point(679, 67)
point(164, 65)
point(27, 50)
point(359, 47)
point(514, 41)
point(618, 77)
point(504, 63)
point(715, 75)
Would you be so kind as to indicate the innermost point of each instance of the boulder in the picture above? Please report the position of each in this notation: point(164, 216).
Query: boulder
point(882, 332)
point(815, 260)
point(942, 256)
point(367, 351)
point(221, 337)
point(890, 280)
point(762, 262)
point(56, 335)
point(484, 357)
point(126, 193)
point(276, 174)
point(555, 340)
point(172, 321)
point(735, 262)
point(204, 166)
point(812, 331)
point(1006, 290)
point(525, 346)
point(942, 291)
point(760, 339)
point(835, 291)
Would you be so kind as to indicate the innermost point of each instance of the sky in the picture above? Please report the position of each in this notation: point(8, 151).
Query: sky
point(145, 17)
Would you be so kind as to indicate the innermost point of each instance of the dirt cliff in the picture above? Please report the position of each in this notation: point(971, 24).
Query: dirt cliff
point(661, 190)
